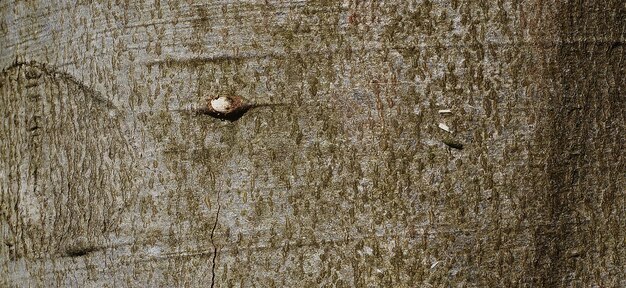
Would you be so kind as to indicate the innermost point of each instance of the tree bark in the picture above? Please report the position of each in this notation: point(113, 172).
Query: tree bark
point(107, 179)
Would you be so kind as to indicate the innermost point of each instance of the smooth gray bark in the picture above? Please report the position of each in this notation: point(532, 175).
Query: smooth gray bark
point(105, 182)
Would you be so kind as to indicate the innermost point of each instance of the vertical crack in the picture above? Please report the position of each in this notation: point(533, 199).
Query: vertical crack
point(217, 217)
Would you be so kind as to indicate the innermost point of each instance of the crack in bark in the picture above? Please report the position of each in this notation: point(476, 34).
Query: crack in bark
point(217, 217)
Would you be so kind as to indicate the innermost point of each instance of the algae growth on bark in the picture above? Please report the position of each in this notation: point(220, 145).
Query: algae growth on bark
point(353, 183)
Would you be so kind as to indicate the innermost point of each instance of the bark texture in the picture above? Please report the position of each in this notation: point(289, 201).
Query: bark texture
point(104, 181)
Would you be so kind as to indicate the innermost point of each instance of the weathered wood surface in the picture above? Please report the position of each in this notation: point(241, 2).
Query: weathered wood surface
point(103, 183)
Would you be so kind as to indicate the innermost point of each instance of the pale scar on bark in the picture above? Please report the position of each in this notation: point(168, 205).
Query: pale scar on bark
point(229, 108)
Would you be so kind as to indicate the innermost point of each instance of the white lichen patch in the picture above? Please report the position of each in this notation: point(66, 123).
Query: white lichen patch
point(221, 104)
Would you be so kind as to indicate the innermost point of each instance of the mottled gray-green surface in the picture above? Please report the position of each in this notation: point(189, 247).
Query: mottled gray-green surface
point(104, 181)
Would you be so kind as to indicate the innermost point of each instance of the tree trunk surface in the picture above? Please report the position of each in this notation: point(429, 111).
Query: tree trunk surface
point(107, 178)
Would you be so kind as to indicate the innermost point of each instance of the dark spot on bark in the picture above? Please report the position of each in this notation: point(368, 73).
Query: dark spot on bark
point(453, 144)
